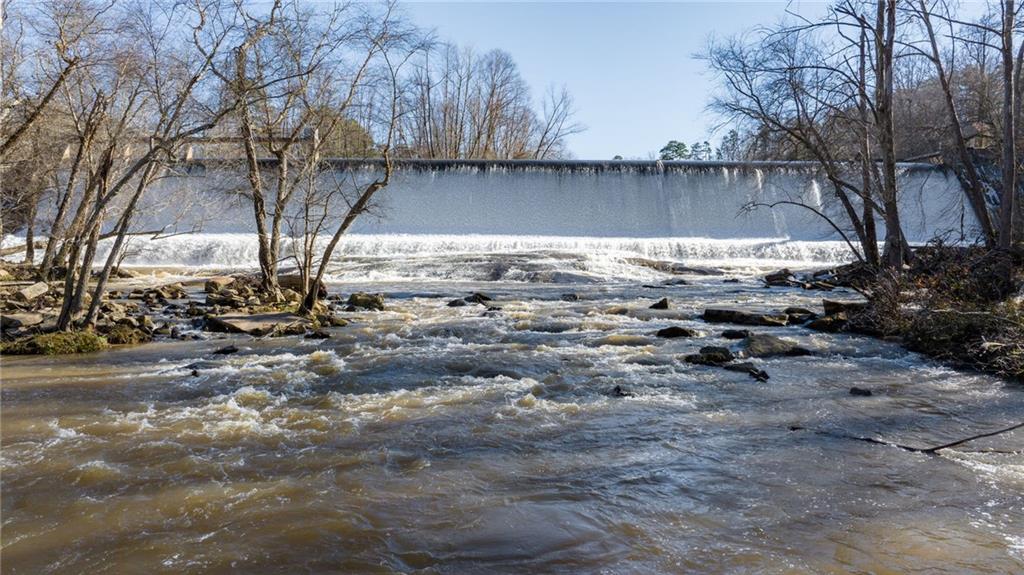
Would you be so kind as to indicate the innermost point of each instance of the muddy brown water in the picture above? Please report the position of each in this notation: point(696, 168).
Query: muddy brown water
point(430, 439)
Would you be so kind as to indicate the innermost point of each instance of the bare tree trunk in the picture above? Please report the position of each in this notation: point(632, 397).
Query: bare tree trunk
point(974, 190)
point(885, 30)
point(75, 285)
point(122, 230)
point(869, 239)
point(30, 231)
point(1008, 194)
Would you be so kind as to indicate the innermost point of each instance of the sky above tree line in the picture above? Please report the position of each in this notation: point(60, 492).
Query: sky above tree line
point(630, 66)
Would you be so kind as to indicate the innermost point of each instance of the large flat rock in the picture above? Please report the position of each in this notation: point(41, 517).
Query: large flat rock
point(719, 315)
point(255, 324)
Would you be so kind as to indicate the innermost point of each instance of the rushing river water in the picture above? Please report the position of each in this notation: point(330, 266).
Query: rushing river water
point(433, 439)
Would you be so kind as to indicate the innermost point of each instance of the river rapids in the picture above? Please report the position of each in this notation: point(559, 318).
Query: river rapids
point(437, 439)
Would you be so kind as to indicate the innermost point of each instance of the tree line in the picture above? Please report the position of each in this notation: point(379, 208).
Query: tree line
point(102, 99)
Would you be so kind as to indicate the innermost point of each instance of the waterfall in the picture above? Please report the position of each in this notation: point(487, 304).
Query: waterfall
point(584, 199)
point(608, 211)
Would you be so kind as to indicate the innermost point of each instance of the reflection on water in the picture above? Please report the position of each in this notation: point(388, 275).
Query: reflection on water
point(452, 440)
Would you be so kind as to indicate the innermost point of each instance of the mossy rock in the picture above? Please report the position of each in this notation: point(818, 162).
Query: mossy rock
point(58, 343)
point(127, 335)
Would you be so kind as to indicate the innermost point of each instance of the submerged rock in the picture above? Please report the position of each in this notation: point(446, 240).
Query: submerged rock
point(860, 391)
point(765, 345)
point(622, 339)
point(457, 303)
point(570, 297)
point(619, 391)
point(226, 350)
point(736, 333)
point(749, 369)
point(318, 334)
point(720, 315)
point(661, 304)
point(676, 331)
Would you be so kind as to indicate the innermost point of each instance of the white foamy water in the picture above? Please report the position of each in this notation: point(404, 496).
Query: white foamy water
point(481, 257)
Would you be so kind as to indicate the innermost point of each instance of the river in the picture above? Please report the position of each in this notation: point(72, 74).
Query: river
point(436, 439)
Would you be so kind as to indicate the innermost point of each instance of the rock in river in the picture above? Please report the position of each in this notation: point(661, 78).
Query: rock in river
point(256, 324)
point(765, 345)
point(719, 315)
point(711, 355)
point(676, 331)
point(661, 304)
point(367, 301)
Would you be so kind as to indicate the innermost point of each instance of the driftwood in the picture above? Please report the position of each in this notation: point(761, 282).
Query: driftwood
point(928, 450)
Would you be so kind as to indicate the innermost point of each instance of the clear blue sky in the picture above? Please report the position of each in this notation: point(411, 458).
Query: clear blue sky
point(629, 66)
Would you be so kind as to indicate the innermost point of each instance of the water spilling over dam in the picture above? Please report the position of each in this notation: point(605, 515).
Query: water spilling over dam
point(680, 210)
point(599, 199)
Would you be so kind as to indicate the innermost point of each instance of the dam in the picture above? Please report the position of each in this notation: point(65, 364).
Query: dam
point(683, 210)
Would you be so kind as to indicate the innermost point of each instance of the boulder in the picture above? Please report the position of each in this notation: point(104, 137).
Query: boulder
point(367, 301)
point(749, 369)
point(226, 350)
point(291, 295)
point(570, 297)
point(735, 333)
point(676, 331)
point(830, 323)
point(31, 292)
point(478, 298)
point(799, 314)
point(331, 320)
point(285, 329)
point(718, 315)
point(676, 282)
point(781, 278)
point(765, 345)
point(457, 303)
point(661, 304)
point(837, 307)
point(20, 320)
point(318, 334)
point(860, 392)
point(215, 284)
point(711, 355)
point(256, 324)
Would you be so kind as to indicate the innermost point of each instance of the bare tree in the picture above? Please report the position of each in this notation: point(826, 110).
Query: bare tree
point(461, 105)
